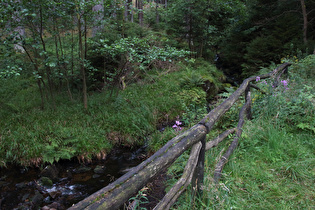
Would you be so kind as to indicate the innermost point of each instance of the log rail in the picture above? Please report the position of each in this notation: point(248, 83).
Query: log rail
point(114, 195)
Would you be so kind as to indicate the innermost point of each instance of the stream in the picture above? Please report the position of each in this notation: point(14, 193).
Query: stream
point(65, 183)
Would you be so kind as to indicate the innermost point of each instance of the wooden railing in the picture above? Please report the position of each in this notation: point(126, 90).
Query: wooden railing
point(117, 193)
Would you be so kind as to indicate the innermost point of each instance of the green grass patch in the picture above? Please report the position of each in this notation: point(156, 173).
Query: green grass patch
point(30, 135)
point(273, 166)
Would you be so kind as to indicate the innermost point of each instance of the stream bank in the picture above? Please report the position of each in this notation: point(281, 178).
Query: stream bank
point(65, 183)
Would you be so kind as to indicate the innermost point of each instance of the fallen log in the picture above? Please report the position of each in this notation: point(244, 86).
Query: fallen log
point(118, 192)
point(220, 138)
point(181, 185)
point(210, 119)
point(233, 145)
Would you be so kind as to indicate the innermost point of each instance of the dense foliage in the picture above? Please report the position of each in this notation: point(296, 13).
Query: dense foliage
point(78, 77)
point(134, 66)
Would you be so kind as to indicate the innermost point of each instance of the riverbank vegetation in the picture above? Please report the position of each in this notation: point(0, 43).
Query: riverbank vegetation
point(273, 166)
point(34, 136)
point(78, 78)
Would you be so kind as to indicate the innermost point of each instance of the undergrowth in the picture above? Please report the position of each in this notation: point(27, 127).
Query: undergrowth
point(273, 165)
point(31, 136)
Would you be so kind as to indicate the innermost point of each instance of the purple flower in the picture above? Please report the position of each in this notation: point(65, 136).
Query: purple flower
point(257, 78)
point(264, 82)
point(178, 123)
point(284, 82)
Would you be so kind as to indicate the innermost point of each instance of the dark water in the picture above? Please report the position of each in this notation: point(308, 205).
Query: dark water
point(21, 188)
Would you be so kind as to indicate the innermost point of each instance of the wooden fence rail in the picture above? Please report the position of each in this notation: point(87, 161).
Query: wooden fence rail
point(117, 193)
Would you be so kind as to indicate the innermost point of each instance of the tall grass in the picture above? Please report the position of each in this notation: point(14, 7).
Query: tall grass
point(273, 166)
point(30, 135)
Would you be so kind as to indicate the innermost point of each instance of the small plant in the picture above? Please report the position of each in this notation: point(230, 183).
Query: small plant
point(177, 126)
point(140, 198)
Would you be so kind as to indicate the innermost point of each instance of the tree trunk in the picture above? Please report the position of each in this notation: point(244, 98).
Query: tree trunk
point(132, 6)
point(140, 14)
point(114, 8)
point(126, 5)
point(42, 106)
point(157, 11)
point(82, 68)
point(98, 13)
point(48, 69)
point(304, 21)
point(64, 65)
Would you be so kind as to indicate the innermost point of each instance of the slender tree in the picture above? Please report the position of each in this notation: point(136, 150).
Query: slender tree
point(303, 6)
point(140, 13)
point(80, 13)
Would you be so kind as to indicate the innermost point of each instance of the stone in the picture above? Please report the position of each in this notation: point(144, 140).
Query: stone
point(3, 183)
point(51, 171)
point(99, 169)
point(45, 181)
point(82, 169)
point(95, 176)
point(56, 205)
point(25, 197)
point(20, 185)
point(37, 199)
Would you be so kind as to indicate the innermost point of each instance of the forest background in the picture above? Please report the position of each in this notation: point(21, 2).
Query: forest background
point(80, 77)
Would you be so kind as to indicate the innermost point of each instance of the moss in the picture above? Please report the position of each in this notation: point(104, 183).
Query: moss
point(45, 181)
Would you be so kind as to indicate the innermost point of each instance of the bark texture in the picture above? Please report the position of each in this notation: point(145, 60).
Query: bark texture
point(116, 193)
point(216, 113)
point(225, 157)
point(181, 185)
point(220, 138)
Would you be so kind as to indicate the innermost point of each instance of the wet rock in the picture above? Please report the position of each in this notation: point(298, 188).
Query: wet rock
point(82, 169)
point(47, 199)
point(51, 172)
point(56, 206)
point(20, 185)
point(69, 174)
point(55, 194)
point(99, 169)
point(95, 176)
point(3, 178)
point(81, 177)
point(45, 181)
point(24, 206)
point(25, 197)
point(3, 183)
point(37, 199)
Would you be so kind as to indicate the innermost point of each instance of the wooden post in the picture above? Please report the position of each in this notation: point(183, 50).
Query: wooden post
point(171, 197)
point(198, 177)
point(248, 99)
point(115, 194)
